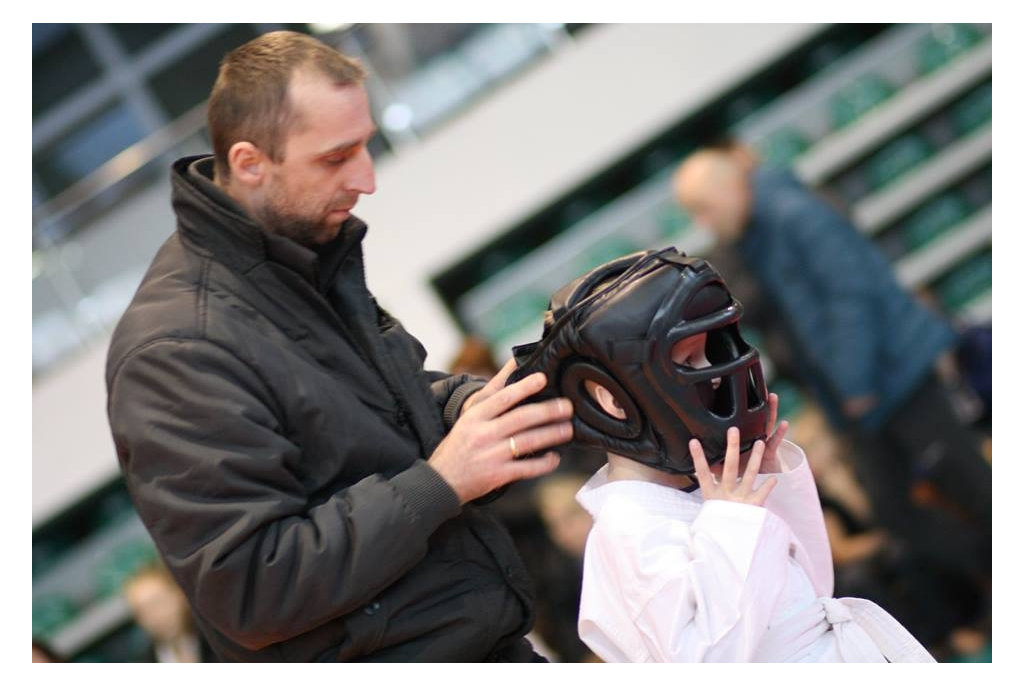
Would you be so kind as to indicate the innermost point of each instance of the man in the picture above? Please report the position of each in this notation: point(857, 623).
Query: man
point(306, 481)
point(869, 349)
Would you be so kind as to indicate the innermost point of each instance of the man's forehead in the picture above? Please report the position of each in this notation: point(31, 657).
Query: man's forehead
point(315, 105)
point(310, 91)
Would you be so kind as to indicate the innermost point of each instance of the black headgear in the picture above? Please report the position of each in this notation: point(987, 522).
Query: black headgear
point(616, 326)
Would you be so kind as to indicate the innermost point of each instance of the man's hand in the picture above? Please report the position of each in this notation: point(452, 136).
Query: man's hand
point(478, 456)
point(731, 489)
point(496, 383)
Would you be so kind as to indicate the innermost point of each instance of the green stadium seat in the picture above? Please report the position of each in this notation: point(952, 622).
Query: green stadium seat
point(123, 562)
point(860, 96)
point(933, 219)
point(943, 43)
point(50, 613)
point(974, 110)
point(783, 146)
point(896, 158)
point(967, 281)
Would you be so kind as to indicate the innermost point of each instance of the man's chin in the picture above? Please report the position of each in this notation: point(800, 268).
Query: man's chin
point(331, 228)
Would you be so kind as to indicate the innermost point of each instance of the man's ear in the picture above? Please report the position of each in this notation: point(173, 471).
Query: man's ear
point(604, 398)
point(248, 164)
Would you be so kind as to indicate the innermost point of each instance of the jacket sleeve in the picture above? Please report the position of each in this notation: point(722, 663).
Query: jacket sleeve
point(843, 269)
point(693, 594)
point(451, 392)
point(207, 461)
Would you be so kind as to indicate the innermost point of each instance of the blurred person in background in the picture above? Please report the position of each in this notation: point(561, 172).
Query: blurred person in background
point(475, 358)
point(867, 349)
point(160, 608)
point(560, 578)
point(309, 485)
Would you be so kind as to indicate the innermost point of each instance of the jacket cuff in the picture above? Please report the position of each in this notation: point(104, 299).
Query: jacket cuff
point(453, 407)
point(427, 493)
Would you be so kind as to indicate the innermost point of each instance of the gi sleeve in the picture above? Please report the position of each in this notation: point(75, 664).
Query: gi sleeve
point(681, 593)
point(795, 500)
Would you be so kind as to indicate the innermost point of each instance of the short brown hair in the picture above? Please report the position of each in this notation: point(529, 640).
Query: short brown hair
point(249, 101)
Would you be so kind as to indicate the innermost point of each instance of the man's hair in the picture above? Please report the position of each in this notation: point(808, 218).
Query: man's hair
point(249, 101)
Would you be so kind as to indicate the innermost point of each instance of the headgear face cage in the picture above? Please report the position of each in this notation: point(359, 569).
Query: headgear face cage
point(616, 326)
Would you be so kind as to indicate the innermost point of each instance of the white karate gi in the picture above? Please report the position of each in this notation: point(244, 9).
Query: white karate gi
point(669, 577)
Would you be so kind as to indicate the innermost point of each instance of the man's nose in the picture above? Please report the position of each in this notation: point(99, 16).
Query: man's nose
point(363, 179)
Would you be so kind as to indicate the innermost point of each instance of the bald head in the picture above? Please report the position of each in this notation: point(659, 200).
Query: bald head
point(714, 187)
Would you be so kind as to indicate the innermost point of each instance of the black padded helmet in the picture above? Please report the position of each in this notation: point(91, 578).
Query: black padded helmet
point(616, 325)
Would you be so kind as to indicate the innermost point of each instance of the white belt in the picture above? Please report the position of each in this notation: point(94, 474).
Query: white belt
point(865, 632)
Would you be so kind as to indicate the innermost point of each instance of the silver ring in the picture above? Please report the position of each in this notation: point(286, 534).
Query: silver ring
point(512, 446)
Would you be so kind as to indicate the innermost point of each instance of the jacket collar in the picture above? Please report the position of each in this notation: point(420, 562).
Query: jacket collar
point(218, 226)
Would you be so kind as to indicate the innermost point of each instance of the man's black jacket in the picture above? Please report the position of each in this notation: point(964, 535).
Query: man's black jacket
point(272, 423)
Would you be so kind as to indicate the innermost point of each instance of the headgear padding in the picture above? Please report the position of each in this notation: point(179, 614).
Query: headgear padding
point(616, 326)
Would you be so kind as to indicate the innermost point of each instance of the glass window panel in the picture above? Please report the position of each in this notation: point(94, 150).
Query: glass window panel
point(61, 65)
point(135, 38)
point(177, 95)
point(90, 145)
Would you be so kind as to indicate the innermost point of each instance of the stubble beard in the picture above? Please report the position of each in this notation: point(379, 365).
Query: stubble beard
point(303, 230)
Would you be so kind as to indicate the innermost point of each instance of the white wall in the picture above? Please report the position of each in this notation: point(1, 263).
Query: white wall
point(535, 139)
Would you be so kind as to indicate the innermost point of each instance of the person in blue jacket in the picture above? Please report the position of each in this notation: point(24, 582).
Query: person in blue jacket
point(868, 348)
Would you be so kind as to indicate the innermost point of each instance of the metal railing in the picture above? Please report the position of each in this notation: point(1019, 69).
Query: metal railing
point(55, 218)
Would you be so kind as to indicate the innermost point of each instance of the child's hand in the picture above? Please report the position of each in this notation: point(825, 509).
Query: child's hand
point(731, 489)
point(770, 463)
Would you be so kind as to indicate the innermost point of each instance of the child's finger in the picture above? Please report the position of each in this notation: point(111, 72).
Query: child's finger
point(732, 456)
point(700, 466)
point(759, 496)
point(778, 437)
point(753, 466)
point(773, 411)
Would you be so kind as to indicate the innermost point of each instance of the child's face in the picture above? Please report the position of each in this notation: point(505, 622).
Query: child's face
point(690, 352)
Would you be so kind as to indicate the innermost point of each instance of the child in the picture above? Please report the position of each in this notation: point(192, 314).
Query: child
point(708, 541)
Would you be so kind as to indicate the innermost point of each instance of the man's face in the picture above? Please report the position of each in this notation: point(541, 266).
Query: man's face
point(326, 165)
point(717, 199)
